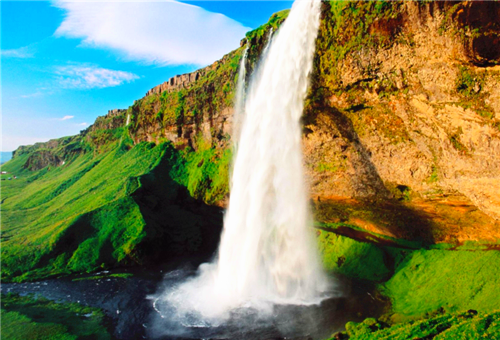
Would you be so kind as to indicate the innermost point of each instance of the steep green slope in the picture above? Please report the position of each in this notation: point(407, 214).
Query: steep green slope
point(101, 209)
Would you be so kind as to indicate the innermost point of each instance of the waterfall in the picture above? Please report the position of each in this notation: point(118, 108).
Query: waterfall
point(267, 253)
point(269, 39)
point(239, 103)
point(266, 249)
point(128, 120)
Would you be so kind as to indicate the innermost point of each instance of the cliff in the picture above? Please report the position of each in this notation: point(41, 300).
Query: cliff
point(401, 130)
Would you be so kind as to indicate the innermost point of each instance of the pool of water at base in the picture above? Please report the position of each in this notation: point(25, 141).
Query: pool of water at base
point(129, 303)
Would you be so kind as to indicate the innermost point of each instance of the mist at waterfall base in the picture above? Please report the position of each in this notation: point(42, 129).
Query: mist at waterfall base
point(267, 274)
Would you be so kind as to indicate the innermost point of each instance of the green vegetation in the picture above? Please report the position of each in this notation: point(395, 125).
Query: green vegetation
point(348, 27)
point(98, 277)
point(425, 281)
point(420, 283)
point(211, 92)
point(274, 22)
point(468, 83)
point(434, 177)
point(205, 172)
point(358, 260)
point(37, 319)
point(466, 325)
point(257, 38)
point(65, 219)
point(104, 209)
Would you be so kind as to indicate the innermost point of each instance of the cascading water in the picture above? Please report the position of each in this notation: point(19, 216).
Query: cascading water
point(267, 254)
point(269, 39)
point(239, 103)
point(266, 250)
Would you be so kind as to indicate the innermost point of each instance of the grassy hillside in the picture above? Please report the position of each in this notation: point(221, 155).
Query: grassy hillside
point(101, 209)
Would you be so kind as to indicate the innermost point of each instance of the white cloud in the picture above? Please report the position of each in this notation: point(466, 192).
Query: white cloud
point(32, 95)
point(22, 52)
point(67, 117)
point(82, 124)
point(87, 76)
point(161, 32)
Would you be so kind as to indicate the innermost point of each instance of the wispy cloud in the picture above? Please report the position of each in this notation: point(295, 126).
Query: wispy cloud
point(161, 32)
point(82, 124)
point(87, 76)
point(22, 52)
point(32, 95)
point(67, 117)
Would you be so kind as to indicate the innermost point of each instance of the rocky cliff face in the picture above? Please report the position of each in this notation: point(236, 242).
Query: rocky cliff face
point(407, 110)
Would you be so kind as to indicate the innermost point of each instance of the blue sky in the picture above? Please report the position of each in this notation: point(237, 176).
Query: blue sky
point(65, 63)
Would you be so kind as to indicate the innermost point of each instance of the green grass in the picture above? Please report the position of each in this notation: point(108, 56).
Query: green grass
point(96, 210)
point(454, 281)
point(358, 260)
point(36, 319)
point(420, 281)
point(274, 22)
point(63, 220)
point(205, 172)
point(467, 326)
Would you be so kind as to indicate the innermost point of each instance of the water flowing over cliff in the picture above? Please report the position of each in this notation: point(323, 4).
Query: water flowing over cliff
point(267, 254)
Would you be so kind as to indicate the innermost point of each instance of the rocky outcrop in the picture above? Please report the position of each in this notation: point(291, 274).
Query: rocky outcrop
point(40, 159)
point(175, 83)
point(115, 118)
point(183, 81)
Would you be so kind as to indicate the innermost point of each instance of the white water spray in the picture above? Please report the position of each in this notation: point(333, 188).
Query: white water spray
point(267, 254)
